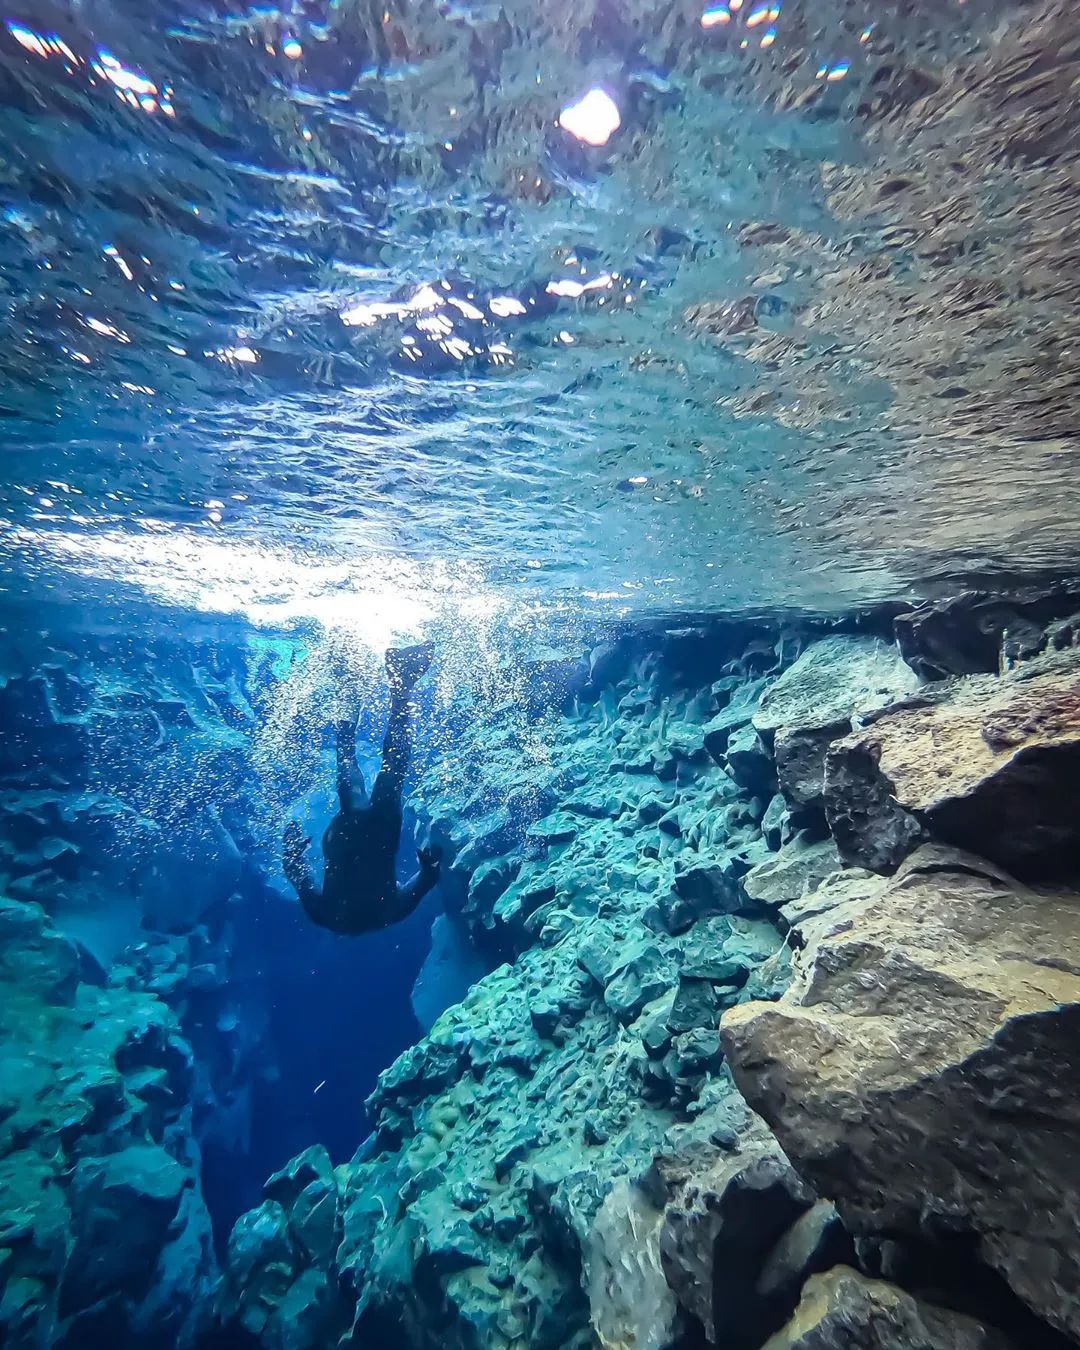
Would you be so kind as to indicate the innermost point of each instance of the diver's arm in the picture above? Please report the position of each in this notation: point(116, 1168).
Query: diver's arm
point(425, 880)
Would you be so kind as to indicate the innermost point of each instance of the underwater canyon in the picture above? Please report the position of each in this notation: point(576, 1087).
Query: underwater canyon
point(619, 459)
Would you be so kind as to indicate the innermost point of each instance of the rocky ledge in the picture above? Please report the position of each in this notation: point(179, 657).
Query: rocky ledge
point(783, 1055)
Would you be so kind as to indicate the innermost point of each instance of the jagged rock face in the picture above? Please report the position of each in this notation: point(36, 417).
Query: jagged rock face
point(981, 632)
point(842, 1310)
point(110, 764)
point(719, 1228)
point(988, 764)
point(566, 1159)
point(921, 1072)
point(559, 1078)
point(104, 1235)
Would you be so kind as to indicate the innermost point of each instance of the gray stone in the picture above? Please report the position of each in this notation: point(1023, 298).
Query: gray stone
point(719, 1226)
point(701, 889)
point(833, 680)
point(749, 763)
point(694, 1006)
point(774, 823)
point(312, 1165)
point(985, 764)
point(122, 1207)
point(515, 1149)
point(814, 701)
point(798, 869)
point(545, 1017)
point(736, 713)
point(839, 896)
point(646, 975)
point(923, 1073)
point(816, 1241)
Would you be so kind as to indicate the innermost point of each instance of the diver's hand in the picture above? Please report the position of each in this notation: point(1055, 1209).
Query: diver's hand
point(430, 859)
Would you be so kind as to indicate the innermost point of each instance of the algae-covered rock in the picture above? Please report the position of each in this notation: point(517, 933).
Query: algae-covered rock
point(101, 1215)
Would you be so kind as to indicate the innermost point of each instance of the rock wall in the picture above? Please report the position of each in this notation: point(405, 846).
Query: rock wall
point(693, 934)
point(104, 1234)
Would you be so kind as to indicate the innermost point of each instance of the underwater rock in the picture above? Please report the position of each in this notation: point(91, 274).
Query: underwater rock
point(884, 1069)
point(749, 763)
point(815, 1242)
point(843, 1310)
point(643, 973)
point(982, 632)
point(102, 1218)
point(775, 823)
point(701, 887)
point(989, 764)
point(834, 902)
point(835, 680)
point(122, 1206)
point(796, 871)
point(740, 698)
point(630, 1304)
point(115, 758)
point(721, 1222)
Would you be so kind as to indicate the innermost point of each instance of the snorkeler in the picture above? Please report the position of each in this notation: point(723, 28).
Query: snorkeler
point(360, 891)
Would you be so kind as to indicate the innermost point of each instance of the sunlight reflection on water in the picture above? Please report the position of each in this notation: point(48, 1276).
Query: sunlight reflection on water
point(375, 600)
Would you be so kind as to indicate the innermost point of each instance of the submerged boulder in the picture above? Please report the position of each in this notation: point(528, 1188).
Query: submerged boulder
point(923, 1072)
point(723, 1219)
point(987, 764)
point(797, 870)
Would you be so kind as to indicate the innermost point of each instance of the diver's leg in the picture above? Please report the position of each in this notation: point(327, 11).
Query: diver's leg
point(350, 787)
point(403, 668)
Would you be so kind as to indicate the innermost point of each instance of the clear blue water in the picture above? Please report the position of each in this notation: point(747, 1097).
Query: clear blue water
point(322, 328)
point(325, 298)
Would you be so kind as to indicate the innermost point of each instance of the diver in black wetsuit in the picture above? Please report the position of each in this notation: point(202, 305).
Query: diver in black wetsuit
point(360, 892)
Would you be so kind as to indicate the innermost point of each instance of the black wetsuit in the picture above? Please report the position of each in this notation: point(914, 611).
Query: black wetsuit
point(360, 891)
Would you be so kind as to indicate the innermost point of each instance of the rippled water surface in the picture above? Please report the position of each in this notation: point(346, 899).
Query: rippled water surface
point(334, 299)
